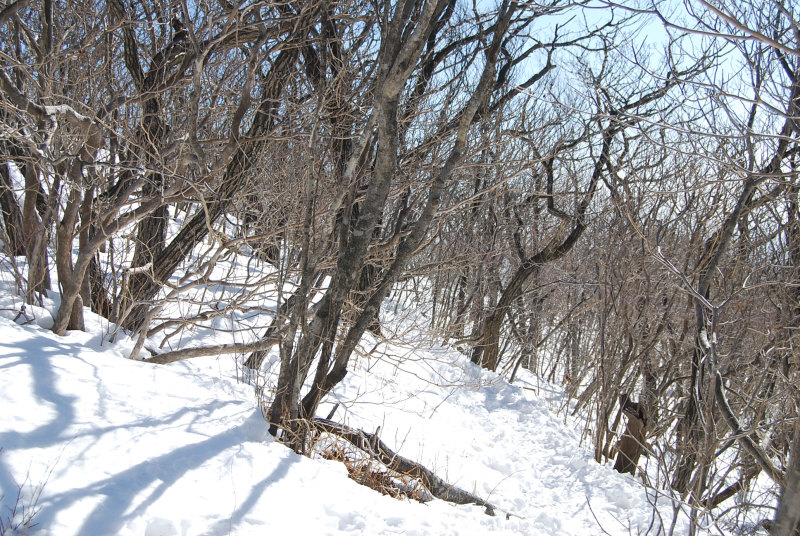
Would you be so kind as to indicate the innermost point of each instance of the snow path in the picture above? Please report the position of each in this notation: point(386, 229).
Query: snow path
point(123, 447)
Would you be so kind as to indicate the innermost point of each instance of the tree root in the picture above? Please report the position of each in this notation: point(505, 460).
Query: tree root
point(372, 445)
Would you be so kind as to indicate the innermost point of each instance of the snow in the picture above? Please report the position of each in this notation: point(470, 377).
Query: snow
point(98, 444)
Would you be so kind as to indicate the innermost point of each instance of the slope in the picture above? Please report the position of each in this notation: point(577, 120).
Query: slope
point(94, 444)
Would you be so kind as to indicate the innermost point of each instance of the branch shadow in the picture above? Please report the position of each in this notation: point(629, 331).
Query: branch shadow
point(120, 490)
point(223, 526)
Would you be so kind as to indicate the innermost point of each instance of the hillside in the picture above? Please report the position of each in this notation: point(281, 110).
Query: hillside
point(99, 444)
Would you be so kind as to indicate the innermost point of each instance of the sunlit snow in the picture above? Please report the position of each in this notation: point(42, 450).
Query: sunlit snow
point(96, 444)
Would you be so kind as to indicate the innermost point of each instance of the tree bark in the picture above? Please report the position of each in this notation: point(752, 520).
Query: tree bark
point(787, 522)
point(12, 215)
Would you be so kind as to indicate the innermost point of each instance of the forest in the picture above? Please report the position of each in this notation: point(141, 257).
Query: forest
point(604, 193)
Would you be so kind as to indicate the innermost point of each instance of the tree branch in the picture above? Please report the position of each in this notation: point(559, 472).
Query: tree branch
point(203, 351)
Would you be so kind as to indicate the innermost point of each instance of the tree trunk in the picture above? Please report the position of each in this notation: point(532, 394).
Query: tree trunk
point(630, 445)
point(66, 275)
point(787, 522)
point(12, 215)
point(34, 222)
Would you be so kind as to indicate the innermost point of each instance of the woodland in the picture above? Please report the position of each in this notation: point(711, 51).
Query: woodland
point(604, 193)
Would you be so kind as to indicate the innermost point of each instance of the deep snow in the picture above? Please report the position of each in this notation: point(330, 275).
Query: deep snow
point(99, 444)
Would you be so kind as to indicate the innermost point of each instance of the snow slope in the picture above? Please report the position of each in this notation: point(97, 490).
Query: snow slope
point(98, 444)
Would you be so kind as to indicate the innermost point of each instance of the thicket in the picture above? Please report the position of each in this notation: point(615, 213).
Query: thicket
point(605, 194)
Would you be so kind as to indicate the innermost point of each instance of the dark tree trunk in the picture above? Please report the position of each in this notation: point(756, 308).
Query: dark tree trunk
point(12, 215)
point(787, 522)
point(629, 448)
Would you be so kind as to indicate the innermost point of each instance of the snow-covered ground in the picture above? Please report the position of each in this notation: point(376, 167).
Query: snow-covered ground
point(96, 444)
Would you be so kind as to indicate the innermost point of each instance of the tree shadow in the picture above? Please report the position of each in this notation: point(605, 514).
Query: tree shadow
point(120, 490)
point(223, 526)
point(38, 361)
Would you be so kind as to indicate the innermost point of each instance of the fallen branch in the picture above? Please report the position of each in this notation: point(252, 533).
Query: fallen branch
point(372, 445)
point(188, 353)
